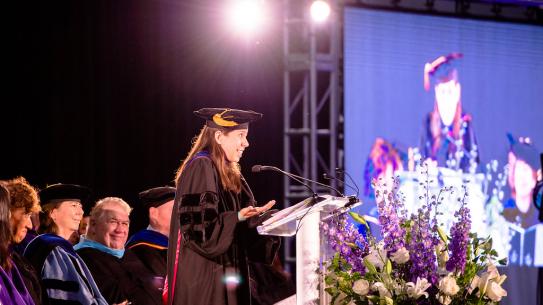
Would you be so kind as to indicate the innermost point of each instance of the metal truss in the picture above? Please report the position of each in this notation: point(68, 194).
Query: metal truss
point(311, 101)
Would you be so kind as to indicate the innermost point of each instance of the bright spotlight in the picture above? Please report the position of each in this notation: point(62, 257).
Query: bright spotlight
point(246, 16)
point(320, 10)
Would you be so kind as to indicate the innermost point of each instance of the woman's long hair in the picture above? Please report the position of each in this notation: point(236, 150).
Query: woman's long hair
point(47, 225)
point(5, 229)
point(435, 127)
point(229, 172)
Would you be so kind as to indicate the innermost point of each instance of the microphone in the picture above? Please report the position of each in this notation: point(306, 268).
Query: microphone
point(258, 168)
point(341, 171)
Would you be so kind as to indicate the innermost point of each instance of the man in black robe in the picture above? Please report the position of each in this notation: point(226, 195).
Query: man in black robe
point(119, 274)
point(151, 244)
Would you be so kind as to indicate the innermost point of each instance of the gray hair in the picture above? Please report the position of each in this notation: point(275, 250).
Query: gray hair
point(98, 208)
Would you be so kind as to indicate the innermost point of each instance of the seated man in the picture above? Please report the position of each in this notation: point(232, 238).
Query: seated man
point(120, 275)
point(151, 244)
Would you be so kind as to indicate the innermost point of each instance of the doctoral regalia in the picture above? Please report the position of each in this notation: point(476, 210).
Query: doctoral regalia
point(64, 276)
point(210, 247)
point(29, 276)
point(120, 279)
point(151, 247)
point(12, 287)
point(445, 152)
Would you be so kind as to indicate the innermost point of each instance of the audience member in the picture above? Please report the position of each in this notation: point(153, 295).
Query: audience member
point(151, 244)
point(24, 202)
point(120, 275)
point(12, 286)
point(64, 276)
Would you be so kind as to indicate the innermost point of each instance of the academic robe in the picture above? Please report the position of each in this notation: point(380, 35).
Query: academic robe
point(120, 279)
point(64, 276)
point(447, 148)
point(29, 276)
point(210, 248)
point(12, 288)
point(151, 248)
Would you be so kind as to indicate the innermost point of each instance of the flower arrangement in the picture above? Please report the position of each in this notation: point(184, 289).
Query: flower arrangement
point(415, 262)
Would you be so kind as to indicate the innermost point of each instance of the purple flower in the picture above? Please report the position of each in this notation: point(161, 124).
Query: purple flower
point(347, 241)
point(459, 239)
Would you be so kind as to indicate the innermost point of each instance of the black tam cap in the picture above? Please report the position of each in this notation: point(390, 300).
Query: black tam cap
point(524, 150)
point(228, 118)
point(157, 196)
point(442, 69)
point(63, 192)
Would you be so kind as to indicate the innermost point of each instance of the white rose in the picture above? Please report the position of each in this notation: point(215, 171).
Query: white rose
point(448, 285)
point(401, 256)
point(495, 292)
point(361, 287)
point(419, 289)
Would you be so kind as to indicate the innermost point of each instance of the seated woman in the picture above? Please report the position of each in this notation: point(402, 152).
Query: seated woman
point(24, 203)
point(12, 287)
point(64, 276)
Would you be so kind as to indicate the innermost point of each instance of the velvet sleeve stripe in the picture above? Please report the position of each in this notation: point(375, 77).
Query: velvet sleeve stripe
point(62, 302)
point(70, 286)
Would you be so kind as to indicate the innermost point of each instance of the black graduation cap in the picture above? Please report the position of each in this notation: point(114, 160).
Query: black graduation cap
point(524, 150)
point(62, 192)
point(157, 196)
point(228, 118)
point(442, 69)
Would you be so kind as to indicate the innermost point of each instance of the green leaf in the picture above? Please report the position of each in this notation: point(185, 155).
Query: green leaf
point(359, 218)
point(503, 261)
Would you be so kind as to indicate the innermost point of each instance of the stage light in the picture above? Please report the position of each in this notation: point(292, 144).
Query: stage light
point(246, 17)
point(320, 10)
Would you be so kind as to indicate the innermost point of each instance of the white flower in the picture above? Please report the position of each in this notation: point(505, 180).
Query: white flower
point(442, 254)
point(474, 284)
point(377, 256)
point(340, 299)
point(444, 299)
point(419, 289)
point(361, 287)
point(490, 284)
point(383, 291)
point(495, 292)
point(448, 285)
point(401, 256)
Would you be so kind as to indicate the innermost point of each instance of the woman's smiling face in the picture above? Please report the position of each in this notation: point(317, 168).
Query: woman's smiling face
point(233, 143)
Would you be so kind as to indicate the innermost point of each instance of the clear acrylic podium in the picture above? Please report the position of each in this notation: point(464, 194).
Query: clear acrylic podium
point(303, 220)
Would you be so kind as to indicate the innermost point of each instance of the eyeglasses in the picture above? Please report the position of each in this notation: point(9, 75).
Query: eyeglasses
point(115, 222)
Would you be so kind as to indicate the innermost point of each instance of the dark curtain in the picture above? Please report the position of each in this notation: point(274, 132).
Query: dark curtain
point(101, 93)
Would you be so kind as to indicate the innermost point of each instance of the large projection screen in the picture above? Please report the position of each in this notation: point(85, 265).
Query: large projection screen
point(501, 74)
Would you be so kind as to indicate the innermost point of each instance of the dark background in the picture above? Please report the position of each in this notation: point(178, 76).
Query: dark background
point(101, 93)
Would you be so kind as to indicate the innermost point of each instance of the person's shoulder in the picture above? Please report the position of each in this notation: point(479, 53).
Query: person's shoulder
point(201, 159)
point(200, 165)
point(48, 241)
point(147, 238)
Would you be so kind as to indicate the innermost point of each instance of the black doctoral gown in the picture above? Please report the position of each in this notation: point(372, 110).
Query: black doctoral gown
point(120, 279)
point(151, 248)
point(210, 248)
